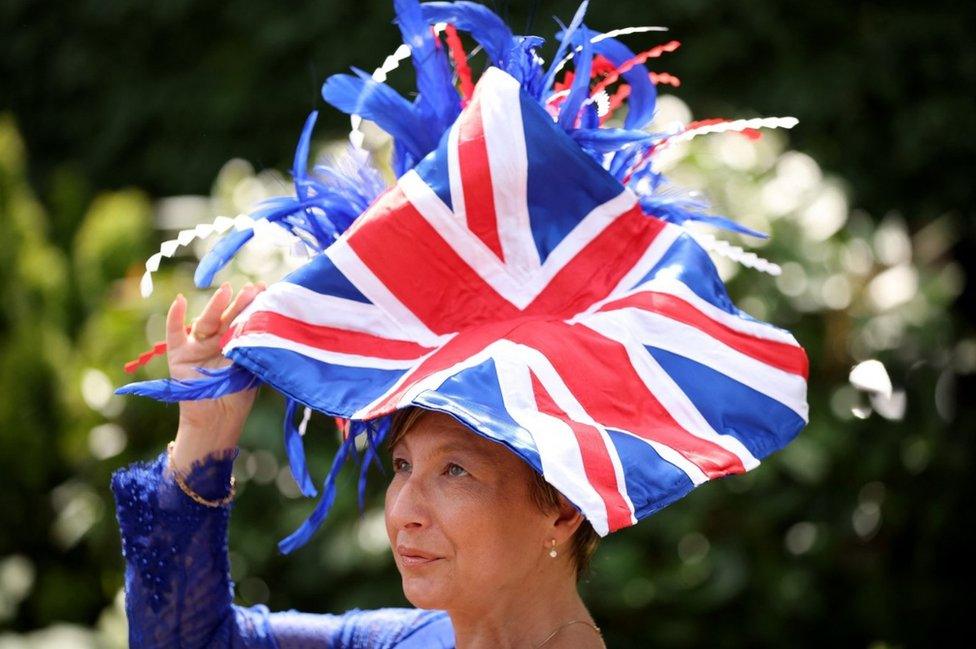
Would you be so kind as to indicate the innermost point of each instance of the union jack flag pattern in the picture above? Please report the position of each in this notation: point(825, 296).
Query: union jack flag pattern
point(528, 274)
point(511, 281)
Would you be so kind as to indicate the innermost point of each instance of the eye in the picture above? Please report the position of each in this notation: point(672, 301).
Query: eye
point(456, 470)
point(399, 465)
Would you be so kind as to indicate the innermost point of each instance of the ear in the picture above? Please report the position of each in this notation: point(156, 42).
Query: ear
point(566, 520)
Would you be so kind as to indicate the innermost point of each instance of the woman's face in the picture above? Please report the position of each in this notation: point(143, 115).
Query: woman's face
point(460, 517)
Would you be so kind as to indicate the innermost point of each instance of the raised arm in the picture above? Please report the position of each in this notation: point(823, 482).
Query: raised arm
point(177, 574)
point(178, 589)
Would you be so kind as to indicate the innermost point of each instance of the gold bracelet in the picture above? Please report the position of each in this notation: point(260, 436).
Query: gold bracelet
point(192, 494)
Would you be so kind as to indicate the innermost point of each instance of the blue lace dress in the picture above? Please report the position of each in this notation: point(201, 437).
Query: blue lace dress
point(178, 591)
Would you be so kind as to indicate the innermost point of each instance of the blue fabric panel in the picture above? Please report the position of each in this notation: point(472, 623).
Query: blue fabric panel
point(474, 397)
point(688, 262)
point(321, 275)
point(338, 390)
point(434, 171)
point(761, 423)
point(565, 183)
point(652, 481)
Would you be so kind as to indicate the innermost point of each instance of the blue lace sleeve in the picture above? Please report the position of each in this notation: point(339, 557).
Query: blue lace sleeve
point(177, 576)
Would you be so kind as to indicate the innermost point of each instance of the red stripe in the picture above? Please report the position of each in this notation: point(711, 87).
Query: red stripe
point(784, 356)
point(596, 459)
point(460, 59)
point(333, 339)
point(479, 198)
point(603, 262)
point(598, 372)
point(422, 270)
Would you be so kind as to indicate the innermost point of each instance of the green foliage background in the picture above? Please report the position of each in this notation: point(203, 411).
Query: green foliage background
point(854, 536)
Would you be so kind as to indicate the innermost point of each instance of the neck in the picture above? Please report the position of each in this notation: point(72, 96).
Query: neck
point(524, 616)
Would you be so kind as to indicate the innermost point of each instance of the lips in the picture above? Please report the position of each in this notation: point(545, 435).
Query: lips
point(415, 557)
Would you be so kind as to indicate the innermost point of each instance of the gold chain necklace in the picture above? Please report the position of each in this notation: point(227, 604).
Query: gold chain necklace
point(566, 624)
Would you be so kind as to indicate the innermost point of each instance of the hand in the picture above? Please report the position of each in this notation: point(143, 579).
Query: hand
point(206, 425)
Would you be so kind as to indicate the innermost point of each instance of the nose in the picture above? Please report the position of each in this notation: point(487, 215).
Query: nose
point(407, 505)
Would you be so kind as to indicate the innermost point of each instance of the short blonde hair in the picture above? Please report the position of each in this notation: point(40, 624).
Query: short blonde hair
point(545, 496)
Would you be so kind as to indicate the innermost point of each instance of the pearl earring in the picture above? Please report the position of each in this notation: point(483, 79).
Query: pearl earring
point(552, 551)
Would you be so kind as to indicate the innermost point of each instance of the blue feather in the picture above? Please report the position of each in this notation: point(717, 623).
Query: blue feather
point(340, 191)
point(485, 26)
point(643, 94)
point(645, 181)
point(322, 230)
point(295, 448)
point(300, 165)
point(300, 173)
point(219, 256)
point(580, 90)
point(353, 178)
point(368, 459)
point(294, 215)
point(624, 159)
point(438, 99)
point(678, 210)
point(220, 382)
point(376, 431)
point(564, 43)
point(402, 160)
point(363, 95)
point(301, 536)
point(605, 140)
point(525, 66)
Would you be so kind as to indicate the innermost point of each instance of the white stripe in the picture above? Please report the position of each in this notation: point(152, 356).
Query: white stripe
point(483, 261)
point(588, 228)
point(672, 397)
point(430, 382)
point(678, 338)
point(564, 399)
point(468, 246)
point(520, 291)
point(541, 366)
point(454, 175)
point(664, 284)
point(300, 303)
point(554, 439)
point(755, 328)
point(350, 265)
point(265, 339)
point(508, 160)
point(562, 461)
point(654, 253)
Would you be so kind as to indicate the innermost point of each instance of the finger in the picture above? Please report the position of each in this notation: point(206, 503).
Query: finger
point(208, 322)
point(175, 328)
point(244, 298)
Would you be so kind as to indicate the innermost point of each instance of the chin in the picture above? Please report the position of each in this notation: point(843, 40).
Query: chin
point(425, 593)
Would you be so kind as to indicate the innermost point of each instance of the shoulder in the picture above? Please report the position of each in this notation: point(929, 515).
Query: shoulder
point(402, 628)
point(385, 628)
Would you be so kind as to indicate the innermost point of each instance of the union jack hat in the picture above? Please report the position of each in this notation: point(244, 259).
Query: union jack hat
point(528, 274)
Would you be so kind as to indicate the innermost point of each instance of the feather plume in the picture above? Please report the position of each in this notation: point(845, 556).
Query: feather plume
point(218, 383)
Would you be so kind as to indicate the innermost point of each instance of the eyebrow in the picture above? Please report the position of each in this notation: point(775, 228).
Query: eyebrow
point(453, 447)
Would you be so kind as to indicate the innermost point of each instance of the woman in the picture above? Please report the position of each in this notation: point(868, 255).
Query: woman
point(476, 533)
point(549, 354)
